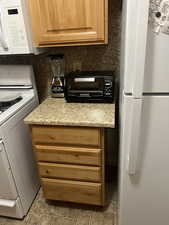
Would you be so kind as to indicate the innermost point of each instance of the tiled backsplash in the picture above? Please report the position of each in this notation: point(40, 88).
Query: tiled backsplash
point(91, 57)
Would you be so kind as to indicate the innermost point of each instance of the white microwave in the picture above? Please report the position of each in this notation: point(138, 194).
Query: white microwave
point(15, 29)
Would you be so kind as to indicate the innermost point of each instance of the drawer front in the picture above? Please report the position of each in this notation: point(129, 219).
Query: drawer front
point(72, 191)
point(60, 154)
point(81, 136)
point(84, 173)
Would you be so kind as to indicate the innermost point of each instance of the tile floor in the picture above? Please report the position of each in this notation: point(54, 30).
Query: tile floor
point(53, 213)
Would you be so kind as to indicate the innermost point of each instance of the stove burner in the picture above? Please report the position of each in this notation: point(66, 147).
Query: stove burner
point(5, 105)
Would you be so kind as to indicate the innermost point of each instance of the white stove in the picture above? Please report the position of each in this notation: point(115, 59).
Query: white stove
point(12, 101)
point(7, 101)
point(19, 181)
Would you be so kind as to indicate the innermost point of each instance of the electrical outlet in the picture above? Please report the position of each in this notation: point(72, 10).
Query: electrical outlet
point(77, 66)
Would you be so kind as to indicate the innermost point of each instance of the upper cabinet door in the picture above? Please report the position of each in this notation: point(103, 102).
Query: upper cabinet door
point(69, 22)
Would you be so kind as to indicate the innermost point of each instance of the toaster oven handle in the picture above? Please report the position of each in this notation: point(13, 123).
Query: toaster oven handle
point(2, 39)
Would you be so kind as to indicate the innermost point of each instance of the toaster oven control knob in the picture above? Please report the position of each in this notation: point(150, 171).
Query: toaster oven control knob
point(108, 94)
point(108, 83)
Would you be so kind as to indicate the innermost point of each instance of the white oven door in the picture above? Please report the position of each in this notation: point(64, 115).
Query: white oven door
point(10, 204)
point(8, 192)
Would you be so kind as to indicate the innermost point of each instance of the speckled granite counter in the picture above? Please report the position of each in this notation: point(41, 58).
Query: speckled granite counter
point(57, 112)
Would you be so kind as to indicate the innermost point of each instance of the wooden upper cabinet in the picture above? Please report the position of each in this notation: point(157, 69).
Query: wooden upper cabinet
point(69, 22)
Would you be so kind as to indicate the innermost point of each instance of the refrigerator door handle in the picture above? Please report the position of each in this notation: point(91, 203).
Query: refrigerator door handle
point(134, 137)
point(140, 47)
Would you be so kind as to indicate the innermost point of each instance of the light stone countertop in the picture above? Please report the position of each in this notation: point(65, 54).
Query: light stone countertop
point(54, 111)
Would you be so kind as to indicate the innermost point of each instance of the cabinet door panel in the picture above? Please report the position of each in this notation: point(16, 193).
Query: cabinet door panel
point(65, 21)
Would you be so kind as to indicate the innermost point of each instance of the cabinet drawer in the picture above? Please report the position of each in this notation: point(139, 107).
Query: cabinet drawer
point(73, 172)
point(81, 136)
point(60, 154)
point(72, 191)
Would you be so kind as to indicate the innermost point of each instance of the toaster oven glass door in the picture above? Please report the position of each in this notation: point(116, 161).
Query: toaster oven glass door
point(87, 84)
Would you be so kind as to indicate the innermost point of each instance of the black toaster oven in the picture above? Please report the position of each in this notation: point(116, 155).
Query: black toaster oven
point(91, 86)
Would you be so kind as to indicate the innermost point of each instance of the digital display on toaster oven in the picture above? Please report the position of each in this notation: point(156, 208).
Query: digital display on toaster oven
point(12, 11)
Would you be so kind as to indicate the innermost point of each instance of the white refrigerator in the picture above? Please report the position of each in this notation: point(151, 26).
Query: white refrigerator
point(144, 115)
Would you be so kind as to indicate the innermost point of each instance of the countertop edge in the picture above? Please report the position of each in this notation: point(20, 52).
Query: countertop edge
point(69, 124)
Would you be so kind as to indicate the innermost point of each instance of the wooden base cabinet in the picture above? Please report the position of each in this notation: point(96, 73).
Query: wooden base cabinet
point(71, 163)
point(69, 22)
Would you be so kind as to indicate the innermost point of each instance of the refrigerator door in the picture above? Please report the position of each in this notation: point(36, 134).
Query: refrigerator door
point(144, 54)
point(156, 78)
point(144, 195)
point(133, 47)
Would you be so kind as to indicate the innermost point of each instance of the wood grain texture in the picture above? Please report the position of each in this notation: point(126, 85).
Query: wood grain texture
point(72, 191)
point(81, 136)
point(103, 166)
point(106, 21)
point(67, 22)
point(73, 172)
point(71, 160)
point(72, 155)
point(34, 17)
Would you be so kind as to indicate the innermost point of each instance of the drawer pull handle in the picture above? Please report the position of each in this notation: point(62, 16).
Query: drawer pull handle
point(47, 171)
